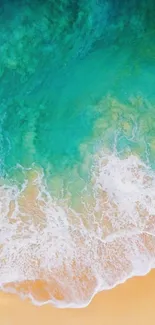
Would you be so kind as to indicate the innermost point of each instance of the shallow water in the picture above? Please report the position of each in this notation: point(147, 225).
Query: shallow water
point(131, 301)
point(77, 147)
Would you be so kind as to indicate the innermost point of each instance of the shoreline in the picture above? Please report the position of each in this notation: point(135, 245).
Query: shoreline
point(132, 301)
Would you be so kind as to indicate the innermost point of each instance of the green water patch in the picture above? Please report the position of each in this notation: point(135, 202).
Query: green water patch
point(55, 70)
point(47, 124)
point(127, 128)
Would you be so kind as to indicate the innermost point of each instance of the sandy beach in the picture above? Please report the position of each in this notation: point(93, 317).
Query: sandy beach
point(129, 303)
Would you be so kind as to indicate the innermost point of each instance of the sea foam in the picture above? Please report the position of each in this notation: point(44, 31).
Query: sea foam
point(54, 253)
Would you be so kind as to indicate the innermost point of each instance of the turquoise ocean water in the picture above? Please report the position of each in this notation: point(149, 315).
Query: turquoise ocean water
point(77, 146)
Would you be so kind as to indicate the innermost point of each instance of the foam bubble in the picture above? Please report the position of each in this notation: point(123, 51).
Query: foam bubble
point(52, 252)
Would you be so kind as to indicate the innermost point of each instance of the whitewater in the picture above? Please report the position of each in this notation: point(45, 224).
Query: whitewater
point(77, 252)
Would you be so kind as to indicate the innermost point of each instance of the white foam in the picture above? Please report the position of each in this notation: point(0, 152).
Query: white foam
point(82, 252)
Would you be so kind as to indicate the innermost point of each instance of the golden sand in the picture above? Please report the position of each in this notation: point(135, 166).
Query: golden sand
point(130, 303)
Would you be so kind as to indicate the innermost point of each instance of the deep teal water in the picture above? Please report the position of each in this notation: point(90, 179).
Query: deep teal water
point(58, 60)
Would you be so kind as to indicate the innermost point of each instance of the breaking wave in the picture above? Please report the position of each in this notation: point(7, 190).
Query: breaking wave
point(55, 252)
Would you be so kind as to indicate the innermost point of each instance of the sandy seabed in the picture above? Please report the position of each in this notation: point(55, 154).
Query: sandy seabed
point(130, 303)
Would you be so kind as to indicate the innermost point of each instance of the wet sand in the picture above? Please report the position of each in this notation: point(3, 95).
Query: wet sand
point(130, 303)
